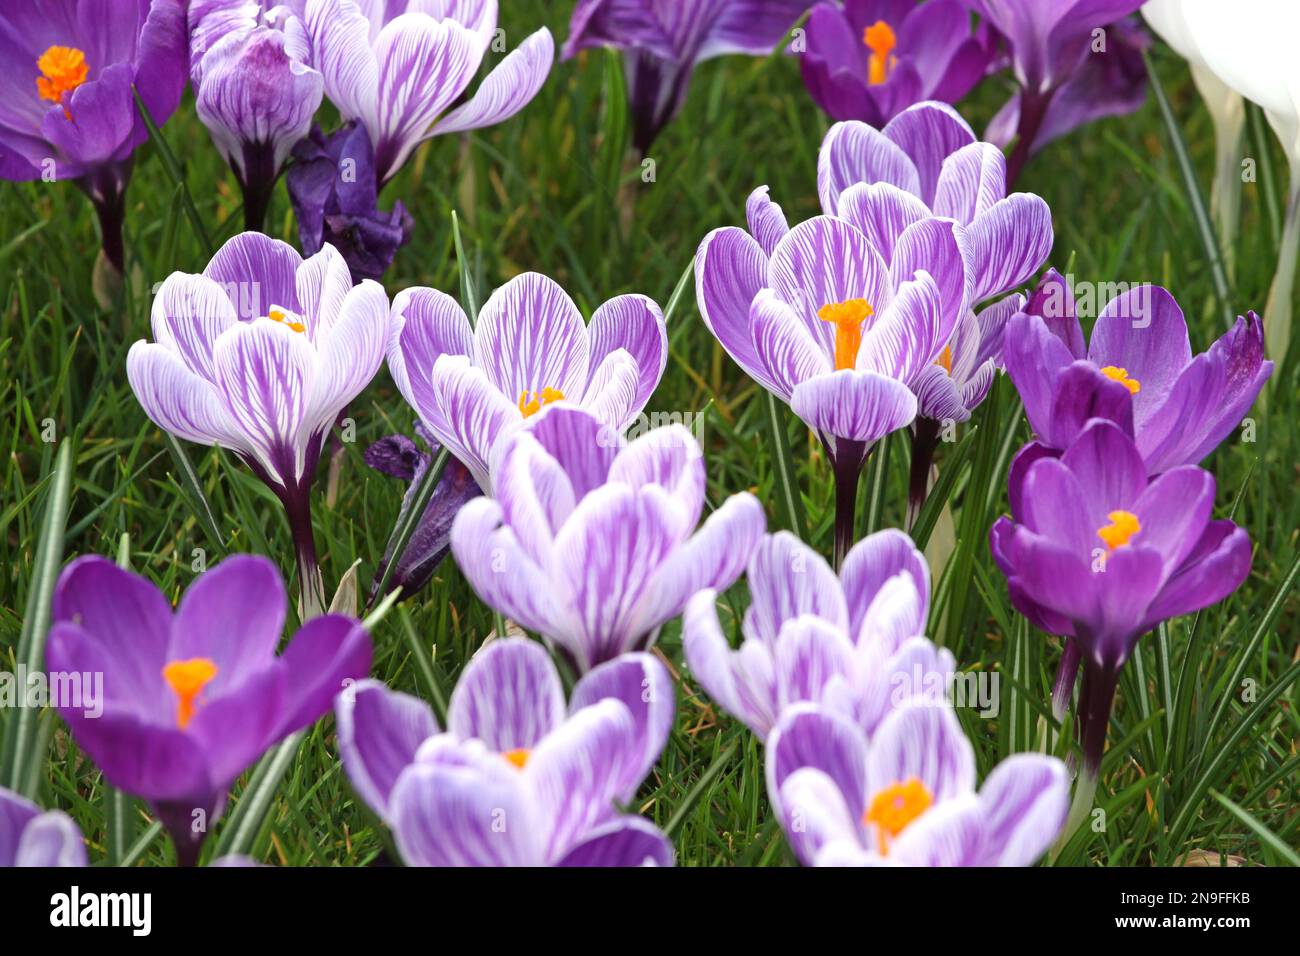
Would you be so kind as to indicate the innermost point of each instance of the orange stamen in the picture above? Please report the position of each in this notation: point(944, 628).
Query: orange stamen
point(187, 679)
point(63, 69)
point(518, 757)
point(1121, 375)
point(847, 317)
point(895, 807)
point(944, 361)
point(279, 315)
point(1123, 525)
point(531, 406)
point(881, 39)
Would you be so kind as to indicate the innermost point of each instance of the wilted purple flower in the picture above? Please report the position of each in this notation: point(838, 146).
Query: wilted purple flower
point(400, 457)
point(336, 199)
point(907, 797)
point(193, 698)
point(518, 778)
point(529, 349)
point(69, 112)
point(1138, 371)
point(1053, 44)
point(870, 59)
point(591, 542)
point(254, 90)
point(834, 322)
point(662, 43)
point(399, 66)
point(851, 643)
point(30, 837)
point(1097, 551)
point(259, 354)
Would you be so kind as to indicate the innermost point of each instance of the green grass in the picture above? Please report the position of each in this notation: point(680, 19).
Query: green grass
point(1202, 753)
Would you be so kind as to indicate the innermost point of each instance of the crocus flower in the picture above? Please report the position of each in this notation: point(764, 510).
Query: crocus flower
point(192, 698)
point(518, 778)
point(1251, 47)
point(254, 90)
point(591, 542)
point(663, 42)
point(1098, 551)
point(259, 354)
point(907, 796)
point(30, 837)
point(336, 199)
point(820, 318)
point(870, 59)
point(1138, 370)
point(400, 66)
point(400, 457)
point(529, 349)
point(1227, 111)
point(852, 643)
point(68, 111)
point(1052, 42)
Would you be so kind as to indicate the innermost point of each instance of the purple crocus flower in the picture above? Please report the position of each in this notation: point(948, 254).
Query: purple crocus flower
point(835, 322)
point(1138, 370)
point(400, 457)
point(907, 797)
point(259, 354)
point(662, 43)
point(518, 778)
point(69, 113)
point(528, 350)
point(192, 698)
point(30, 837)
point(1096, 550)
point(254, 90)
point(399, 67)
point(336, 199)
point(870, 59)
point(852, 643)
point(591, 542)
point(1051, 44)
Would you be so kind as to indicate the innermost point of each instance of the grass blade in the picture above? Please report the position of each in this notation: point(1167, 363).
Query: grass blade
point(173, 169)
point(246, 821)
point(789, 504)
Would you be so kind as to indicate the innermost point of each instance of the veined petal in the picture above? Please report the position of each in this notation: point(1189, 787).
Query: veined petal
point(634, 323)
point(627, 841)
point(350, 354)
point(179, 401)
point(874, 560)
point(767, 223)
point(425, 324)
point(340, 42)
point(535, 494)
point(531, 336)
point(509, 696)
point(671, 458)
point(971, 181)
point(788, 579)
point(1024, 802)
point(475, 415)
point(940, 248)
point(505, 91)
point(188, 315)
point(730, 269)
point(784, 345)
point(580, 442)
point(379, 733)
point(720, 670)
point(323, 283)
point(1008, 242)
point(929, 133)
point(816, 814)
point(882, 211)
point(809, 653)
point(924, 741)
point(853, 152)
point(854, 405)
point(257, 272)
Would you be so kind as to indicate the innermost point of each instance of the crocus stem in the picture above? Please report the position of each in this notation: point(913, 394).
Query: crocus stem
point(310, 585)
point(187, 825)
point(1085, 790)
point(1033, 107)
point(925, 439)
point(1096, 696)
point(258, 183)
point(1067, 674)
point(1277, 313)
point(848, 459)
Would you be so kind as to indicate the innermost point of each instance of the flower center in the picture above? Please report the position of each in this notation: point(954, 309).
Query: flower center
point(531, 406)
point(847, 317)
point(1121, 375)
point(881, 40)
point(187, 680)
point(944, 361)
point(895, 807)
point(280, 315)
point(63, 69)
point(1123, 525)
point(518, 757)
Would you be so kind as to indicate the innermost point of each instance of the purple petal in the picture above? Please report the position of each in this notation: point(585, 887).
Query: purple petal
point(509, 696)
point(971, 181)
point(882, 212)
point(634, 323)
point(810, 737)
point(853, 152)
point(1008, 242)
point(1024, 802)
point(787, 579)
point(929, 133)
point(783, 344)
point(809, 654)
point(1143, 332)
point(188, 316)
point(853, 405)
point(179, 401)
point(766, 220)
point(874, 560)
point(744, 691)
point(730, 269)
point(256, 273)
point(584, 447)
point(627, 841)
point(475, 415)
point(326, 656)
point(505, 91)
point(379, 733)
point(530, 336)
point(924, 741)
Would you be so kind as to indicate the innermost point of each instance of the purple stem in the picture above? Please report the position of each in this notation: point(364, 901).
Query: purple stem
point(187, 824)
point(1096, 696)
point(1067, 673)
point(1032, 111)
point(297, 506)
point(847, 462)
point(258, 183)
point(925, 439)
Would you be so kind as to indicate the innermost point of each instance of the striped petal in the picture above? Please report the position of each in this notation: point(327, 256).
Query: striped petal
point(509, 696)
point(531, 336)
point(505, 91)
point(853, 152)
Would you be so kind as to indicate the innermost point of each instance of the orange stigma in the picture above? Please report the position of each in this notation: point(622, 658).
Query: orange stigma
point(187, 680)
point(1123, 525)
point(1121, 375)
point(518, 756)
point(881, 39)
point(531, 406)
point(895, 807)
point(279, 315)
point(847, 317)
point(944, 361)
point(63, 69)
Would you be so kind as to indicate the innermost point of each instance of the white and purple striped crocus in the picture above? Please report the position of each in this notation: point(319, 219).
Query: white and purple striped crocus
point(192, 698)
point(254, 89)
point(259, 354)
point(851, 642)
point(663, 41)
point(518, 778)
point(69, 113)
point(1138, 370)
point(907, 796)
point(400, 67)
point(591, 542)
point(31, 837)
point(529, 349)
